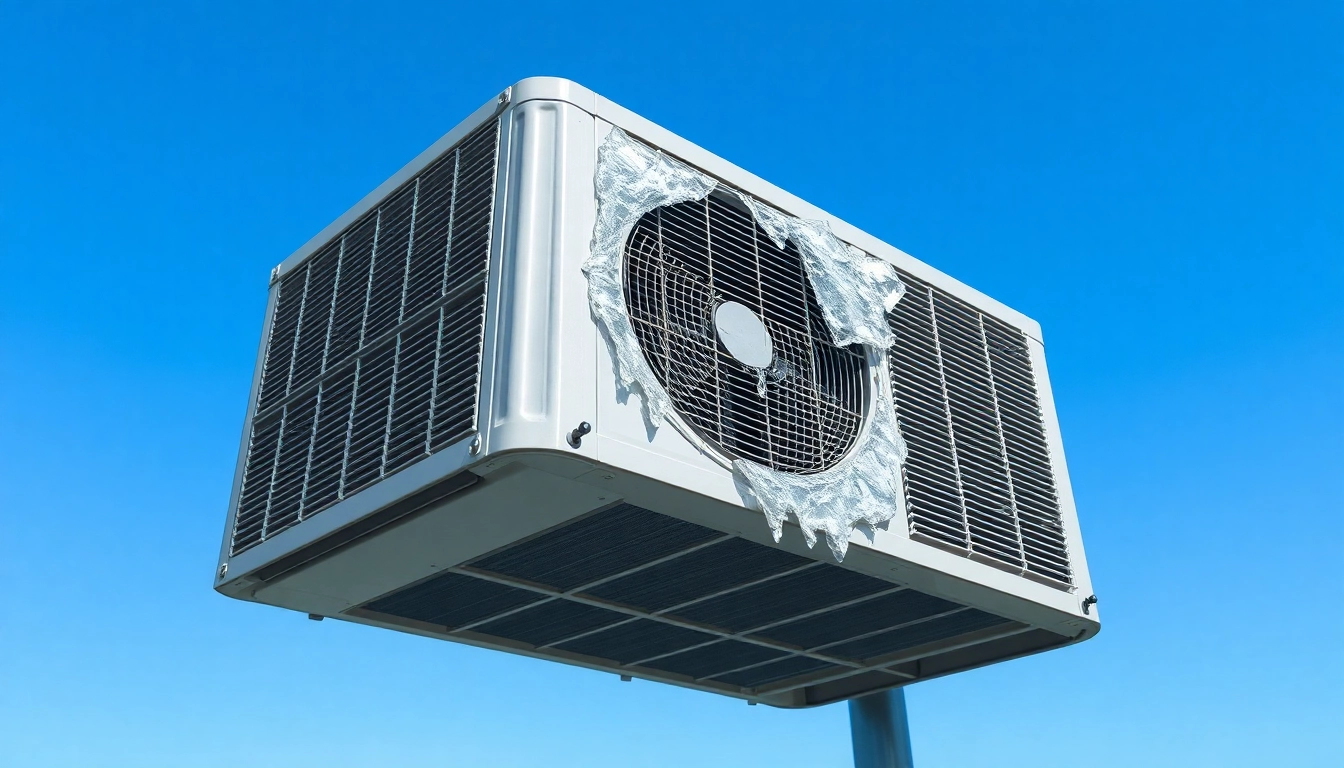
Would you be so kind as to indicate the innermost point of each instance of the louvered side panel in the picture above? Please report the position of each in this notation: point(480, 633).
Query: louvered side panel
point(978, 478)
point(374, 354)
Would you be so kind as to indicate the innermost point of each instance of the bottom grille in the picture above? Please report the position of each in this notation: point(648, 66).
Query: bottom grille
point(630, 589)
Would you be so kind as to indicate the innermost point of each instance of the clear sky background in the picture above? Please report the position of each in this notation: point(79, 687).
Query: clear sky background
point(1160, 184)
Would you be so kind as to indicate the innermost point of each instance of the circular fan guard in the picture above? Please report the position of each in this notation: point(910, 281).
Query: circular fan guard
point(800, 414)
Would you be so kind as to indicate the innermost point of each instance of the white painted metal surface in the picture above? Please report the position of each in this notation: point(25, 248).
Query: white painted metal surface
point(545, 370)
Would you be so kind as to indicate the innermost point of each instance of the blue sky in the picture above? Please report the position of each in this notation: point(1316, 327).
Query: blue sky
point(1160, 184)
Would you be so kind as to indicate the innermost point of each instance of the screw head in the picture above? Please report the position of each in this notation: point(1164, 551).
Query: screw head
point(223, 570)
point(475, 446)
point(575, 436)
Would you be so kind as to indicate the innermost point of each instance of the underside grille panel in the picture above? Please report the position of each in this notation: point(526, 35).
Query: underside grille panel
point(858, 619)
point(453, 600)
point(636, 591)
point(783, 598)
point(598, 546)
point(793, 666)
point(551, 622)
point(717, 658)
point(374, 349)
point(979, 477)
point(942, 628)
point(697, 574)
point(636, 641)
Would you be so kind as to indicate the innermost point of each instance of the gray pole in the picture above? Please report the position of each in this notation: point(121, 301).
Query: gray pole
point(880, 730)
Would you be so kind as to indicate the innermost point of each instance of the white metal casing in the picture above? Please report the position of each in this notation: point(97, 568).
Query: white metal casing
point(545, 369)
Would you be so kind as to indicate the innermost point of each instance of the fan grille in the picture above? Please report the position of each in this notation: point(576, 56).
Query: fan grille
point(801, 414)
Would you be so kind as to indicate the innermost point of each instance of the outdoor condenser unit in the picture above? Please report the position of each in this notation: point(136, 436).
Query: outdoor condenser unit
point(572, 387)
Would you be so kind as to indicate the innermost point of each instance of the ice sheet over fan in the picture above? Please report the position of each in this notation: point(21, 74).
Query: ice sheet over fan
point(689, 280)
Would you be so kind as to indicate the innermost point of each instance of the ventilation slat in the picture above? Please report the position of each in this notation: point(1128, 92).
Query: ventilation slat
point(389, 269)
point(280, 345)
point(323, 485)
point(310, 351)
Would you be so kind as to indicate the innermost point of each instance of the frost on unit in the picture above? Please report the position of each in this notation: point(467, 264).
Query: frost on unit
point(854, 292)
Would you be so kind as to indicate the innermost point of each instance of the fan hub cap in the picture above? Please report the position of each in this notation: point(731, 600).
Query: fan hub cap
point(744, 335)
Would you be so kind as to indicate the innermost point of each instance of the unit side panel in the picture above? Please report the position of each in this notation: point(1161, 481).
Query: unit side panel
point(372, 349)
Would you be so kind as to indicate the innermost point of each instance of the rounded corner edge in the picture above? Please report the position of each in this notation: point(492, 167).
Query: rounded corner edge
point(545, 87)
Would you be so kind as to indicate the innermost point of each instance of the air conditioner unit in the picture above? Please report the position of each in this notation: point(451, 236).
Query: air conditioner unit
point(571, 387)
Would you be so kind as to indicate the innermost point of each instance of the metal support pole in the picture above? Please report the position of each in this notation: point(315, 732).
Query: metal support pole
point(880, 730)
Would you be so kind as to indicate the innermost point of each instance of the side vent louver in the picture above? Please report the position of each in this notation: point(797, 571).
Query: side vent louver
point(373, 357)
point(978, 478)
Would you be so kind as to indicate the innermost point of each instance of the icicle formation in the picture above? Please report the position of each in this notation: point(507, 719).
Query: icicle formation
point(632, 180)
point(854, 290)
point(865, 487)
